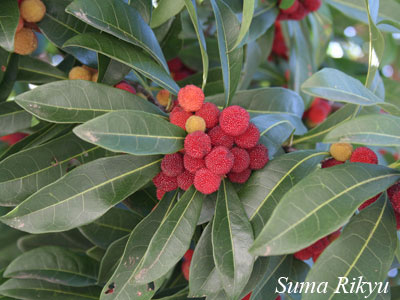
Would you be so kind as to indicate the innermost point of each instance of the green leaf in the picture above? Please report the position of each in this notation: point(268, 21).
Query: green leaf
point(36, 71)
point(172, 239)
point(204, 278)
point(247, 17)
point(110, 71)
point(133, 132)
point(54, 264)
point(127, 54)
point(128, 26)
point(265, 100)
point(113, 225)
point(10, 76)
point(13, 118)
point(77, 101)
point(192, 9)
point(83, 195)
point(365, 248)
point(165, 10)
point(227, 32)
point(264, 190)
point(27, 171)
point(263, 19)
point(135, 249)
point(377, 130)
point(96, 253)
point(58, 27)
point(279, 266)
point(111, 259)
point(332, 194)
point(335, 85)
point(232, 236)
point(285, 4)
point(8, 24)
point(144, 7)
point(317, 134)
point(26, 288)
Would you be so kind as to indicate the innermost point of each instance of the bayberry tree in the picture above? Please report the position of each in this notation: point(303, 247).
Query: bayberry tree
point(205, 149)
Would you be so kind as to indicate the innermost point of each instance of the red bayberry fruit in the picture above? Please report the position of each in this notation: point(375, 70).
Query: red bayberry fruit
point(160, 194)
point(394, 196)
point(299, 14)
point(11, 139)
point(191, 98)
point(197, 144)
point(220, 138)
point(364, 155)
point(165, 183)
point(172, 164)
point(369, 202)
point(312, 5)
point(185, 180)
point(291, 9)
point(126, 87)
point(247, 297)
point(249, 138)
point(241, 177)
point(303, 254)
point(187, 259)
point(193, 164)
point(258, 157)
point(206, 181)
point(241, 160)
point(397, 215)
point(330, 163)
point(179, 117)
point(317, 114)
point(175, 64)
point(220, 160)
point(234, 120)
point(210, 113)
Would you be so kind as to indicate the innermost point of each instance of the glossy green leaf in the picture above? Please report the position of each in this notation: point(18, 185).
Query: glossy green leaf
point(13, 118)
point(265, 100)
point(10, 76)
point(144, 7)
point(8, 23)
point(4, 58)
point(77, 101)
point(264, 190)
point(83, 195)
point(113, 225)
point(227, 32)
point(96, 253)
point(204, 278)
point(247, 17)
point(335, 85)
point(191, 6)
point(27, 171)
point(135, 249)
point(377, 130)
point(172, 239)
point(58, 27)
point(263, 19)
point(133, 132)
point(365, 248)
point(26, 288)
point(127, 54)
point(317, 134)
point(331, 194)
point(110, 71)
point(111, 259)
point(279, 266)
point(142, 202)
point(165, 10)
point(232, 236)
point(120, 20)
point(36, 71)
point(56, 265)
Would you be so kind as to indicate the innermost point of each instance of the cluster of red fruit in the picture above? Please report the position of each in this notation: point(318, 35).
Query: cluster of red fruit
point(299, 9)
point(178, 70)
point(218, 144)
point(318, 112)
point(279, 48)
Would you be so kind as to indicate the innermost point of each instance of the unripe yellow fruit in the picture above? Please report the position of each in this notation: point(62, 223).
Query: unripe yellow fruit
point(80, 73)
point(25, 42)
point(95, 77)
point(32, 10)
point(163, 97)
point(195, 123)
point(341, 151)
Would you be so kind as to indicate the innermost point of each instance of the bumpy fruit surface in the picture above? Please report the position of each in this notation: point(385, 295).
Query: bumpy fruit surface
point(80, 73)
point(185, 180)
point(165, 183)
point(197, 144)
point(394, 196)
point(241, 160)
point(187, 260)
point(206, 181)
point(210, 113)
point(249, 138)
point(126, 87)
point(241, 177)
point(364, 155)
point(220, 138)
point(193, 164)
point(330, 163)
point(195, 123)
point(163, 97)
point(25, 42)
point(191, 98)
point(341, 151)
point(179, 117)
point(369, 202)
point(234, 120)
point(258, 157)
point(172, 164)
point(32, 10)
point(220, 160)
